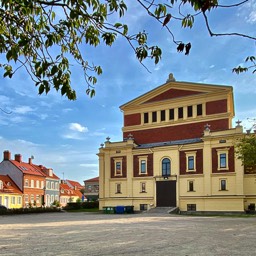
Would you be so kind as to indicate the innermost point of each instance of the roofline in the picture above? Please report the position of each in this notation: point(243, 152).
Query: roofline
point(175, 82)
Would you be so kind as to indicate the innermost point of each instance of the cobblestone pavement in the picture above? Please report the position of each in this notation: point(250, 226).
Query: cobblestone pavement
point(135, 234)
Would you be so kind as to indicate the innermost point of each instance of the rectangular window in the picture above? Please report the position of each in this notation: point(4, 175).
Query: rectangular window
point(145, 118)
point(37, 199)
point(199, 109)
point(190, 111)
point(180, 113)
point(118, 188)
point(171, 114)
point(191, 163)
point(162, 115)
point(143, 166)
point(143, 207)
point(118, 168)
point(223, 185)
point(26, 198)
point(37, 184)
point(19, 200)
point(13, 200)
point(143, 187)
point(190, 185)
point(191, 207)
point(26, 183)
point(32, 199)
point(154, 116)
point(223, 160)
point(42, 184)
point(32, 183)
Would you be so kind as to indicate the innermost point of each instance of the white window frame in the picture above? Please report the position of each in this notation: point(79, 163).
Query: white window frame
point(188, 155)
point(118, 160)
point(219, 153)
point(26, 198)
point(19, 200)
point(37, 183)
point(42, 184)
point(13, 201)
point(32, 183)
point(26, 183)
point(141, 159)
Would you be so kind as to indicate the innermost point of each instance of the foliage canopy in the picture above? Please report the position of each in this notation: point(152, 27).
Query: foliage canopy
point(45, 36)
point(246, 151)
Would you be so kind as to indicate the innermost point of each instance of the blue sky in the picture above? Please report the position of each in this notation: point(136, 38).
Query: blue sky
point(66, 135)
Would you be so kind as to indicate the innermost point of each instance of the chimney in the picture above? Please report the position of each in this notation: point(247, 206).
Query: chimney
point(30, 160)
point(7, 155)
point(18, 157)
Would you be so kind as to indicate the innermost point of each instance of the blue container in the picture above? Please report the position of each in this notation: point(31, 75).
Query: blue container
point(120, 209)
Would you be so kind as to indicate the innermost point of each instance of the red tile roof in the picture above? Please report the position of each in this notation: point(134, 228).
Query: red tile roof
point(96, 179)
point(66, 190)
point(45, 171)
point(26, 168)
point(75, 184)
point(8, 185)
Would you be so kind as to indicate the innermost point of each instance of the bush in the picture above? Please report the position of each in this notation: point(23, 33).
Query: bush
point(90, 205)
point(73, 206)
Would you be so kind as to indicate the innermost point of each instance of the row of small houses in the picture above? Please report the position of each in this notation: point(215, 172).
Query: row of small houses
point(25, 184)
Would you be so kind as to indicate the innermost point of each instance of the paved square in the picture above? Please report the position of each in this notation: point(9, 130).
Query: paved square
point(134, 234)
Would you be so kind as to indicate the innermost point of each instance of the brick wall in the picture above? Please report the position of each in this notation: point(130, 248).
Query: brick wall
point(171, 94)
point(124, 168)
point(133, 119)
point(136, 167)
point(199, 162)
point(231, 160)
point(179, 132)
point(215, 107)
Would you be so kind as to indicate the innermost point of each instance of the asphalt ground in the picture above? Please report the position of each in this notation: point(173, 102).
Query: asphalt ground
point(126, 234)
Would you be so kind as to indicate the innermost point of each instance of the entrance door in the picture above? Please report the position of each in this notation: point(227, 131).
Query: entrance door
point(166, 193)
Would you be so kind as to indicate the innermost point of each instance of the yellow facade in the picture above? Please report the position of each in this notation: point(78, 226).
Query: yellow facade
point(216, 183)
point(11, 200)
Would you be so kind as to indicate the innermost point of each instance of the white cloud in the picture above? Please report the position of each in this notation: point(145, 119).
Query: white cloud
point(77, 127)
point(248, 10)
point(23, 110)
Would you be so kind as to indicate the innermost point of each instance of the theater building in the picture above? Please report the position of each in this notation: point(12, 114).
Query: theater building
point(177, 150)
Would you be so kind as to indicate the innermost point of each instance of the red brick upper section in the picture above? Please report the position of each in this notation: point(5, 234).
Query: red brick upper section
point(133, 119)
point(199, 162)
point(178, 132)
point(215, 107)
point(171, 94)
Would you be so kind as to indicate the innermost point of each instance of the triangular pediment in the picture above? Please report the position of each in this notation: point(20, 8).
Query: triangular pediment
point(176, 91)
point(172, 94)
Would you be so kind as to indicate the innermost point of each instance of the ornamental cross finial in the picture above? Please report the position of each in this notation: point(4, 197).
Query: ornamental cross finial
point(207, 127)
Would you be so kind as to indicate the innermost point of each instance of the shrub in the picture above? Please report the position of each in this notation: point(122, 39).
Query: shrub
point(90, 205)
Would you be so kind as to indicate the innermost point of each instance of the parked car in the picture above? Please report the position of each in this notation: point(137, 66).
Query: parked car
point(3, 208)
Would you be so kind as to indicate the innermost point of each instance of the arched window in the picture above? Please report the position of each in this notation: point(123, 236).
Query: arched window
point(166, 167)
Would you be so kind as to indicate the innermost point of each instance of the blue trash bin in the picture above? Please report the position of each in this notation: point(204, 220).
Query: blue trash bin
point(120, 209)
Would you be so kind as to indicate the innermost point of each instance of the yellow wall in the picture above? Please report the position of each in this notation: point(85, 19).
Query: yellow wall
point(7, 200)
